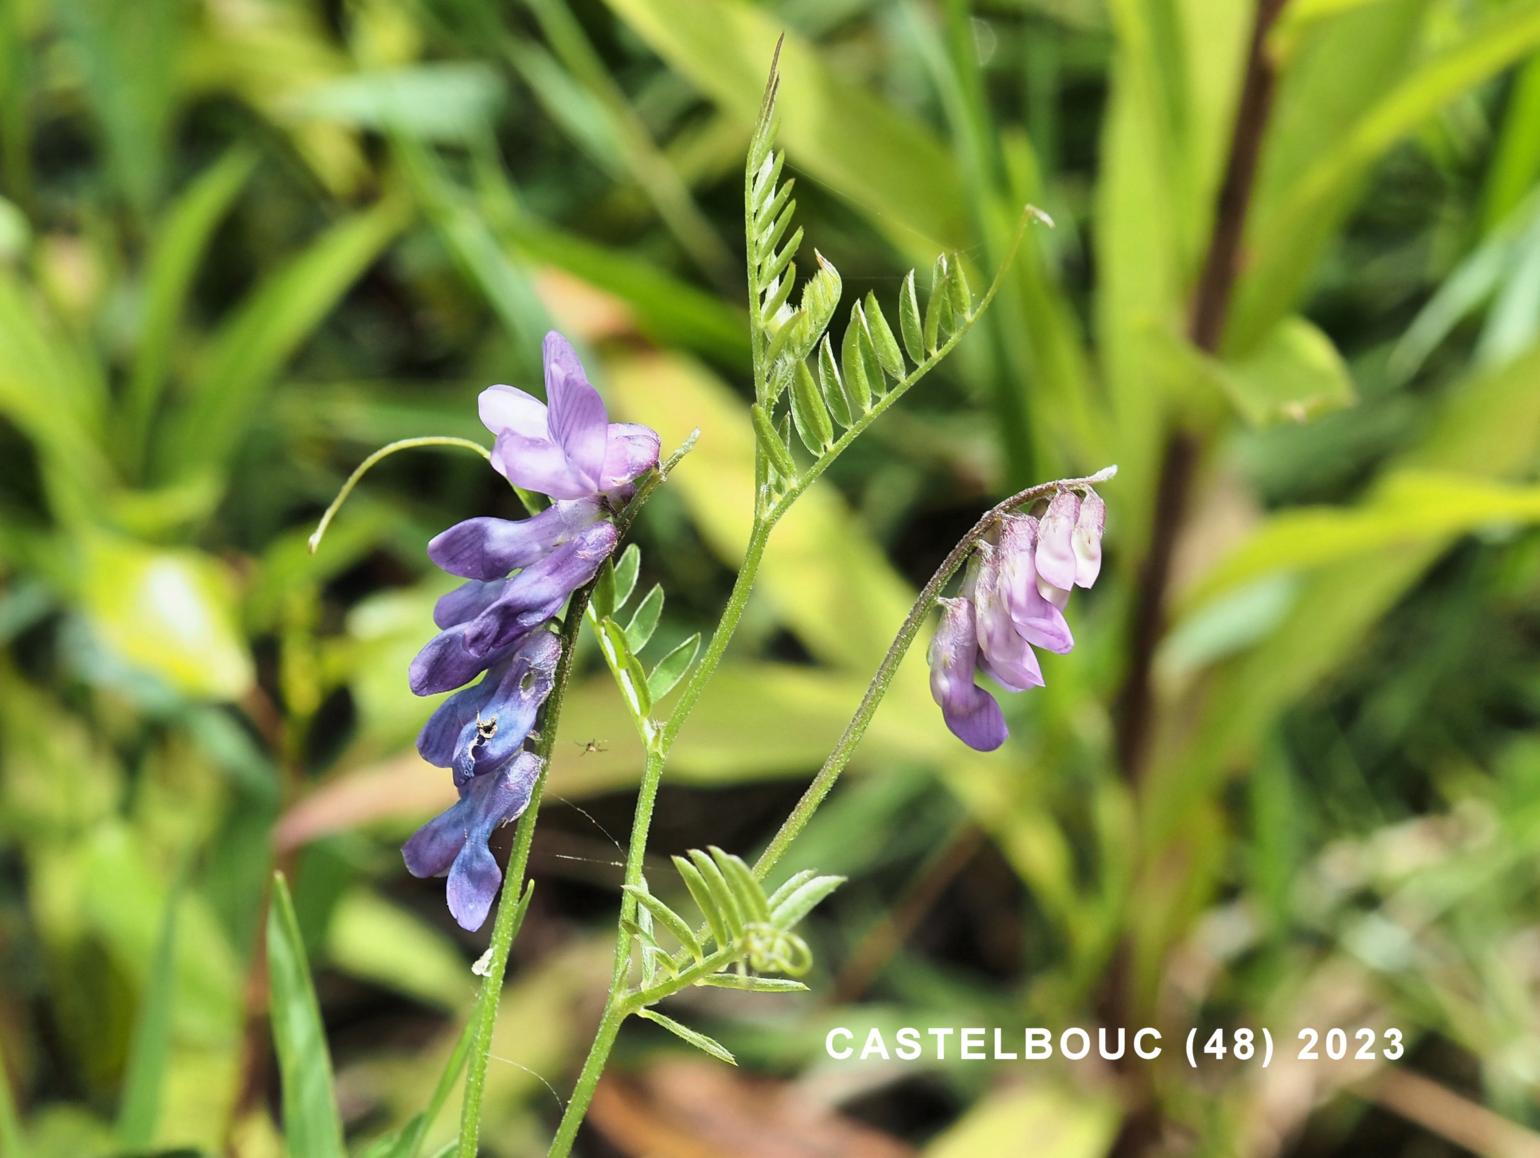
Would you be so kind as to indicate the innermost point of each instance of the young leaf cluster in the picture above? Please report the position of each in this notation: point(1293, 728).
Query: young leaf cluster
point(748, 936)
point(831, 385)
point(622, 642)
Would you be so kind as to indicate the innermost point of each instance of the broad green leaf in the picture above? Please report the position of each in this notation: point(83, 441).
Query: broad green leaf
point(853, 362)
point(602, 600)
point(311, 1124)
point(672, 667)
point(627, 669)
point(373, 939)
point(892, 168)
point(170, 612)
point(699, 1040)
point(644, 620)
point(1406, 508)
point(774, 445)
point(1294, 374)
point(830, 385)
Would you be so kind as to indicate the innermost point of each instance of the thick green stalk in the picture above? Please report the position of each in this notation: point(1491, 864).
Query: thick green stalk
point(888, 668)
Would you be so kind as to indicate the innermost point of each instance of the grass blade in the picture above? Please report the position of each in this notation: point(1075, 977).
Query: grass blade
point(311, 1124)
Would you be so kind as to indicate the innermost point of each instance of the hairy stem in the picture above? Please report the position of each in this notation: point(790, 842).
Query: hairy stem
point(616, 1008)
point(888, 668)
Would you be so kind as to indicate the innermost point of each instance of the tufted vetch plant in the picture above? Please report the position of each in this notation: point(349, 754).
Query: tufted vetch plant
point(505, 636)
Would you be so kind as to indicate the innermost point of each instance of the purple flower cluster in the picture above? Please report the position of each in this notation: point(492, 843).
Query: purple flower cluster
point(1013, 600)
point(498, 623)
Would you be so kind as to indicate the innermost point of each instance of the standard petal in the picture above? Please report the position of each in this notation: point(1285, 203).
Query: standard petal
point(631, 451)
point(577, 418)
point(1086, 541)
point(1055, 557)
point(487, 548)
point(509, 408)
point(434, 846)
point(537, 465)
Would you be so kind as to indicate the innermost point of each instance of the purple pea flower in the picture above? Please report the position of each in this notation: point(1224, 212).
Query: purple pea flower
point(1005, 655)
point(481, 727)
point(455, 841)
point(1055, 554)
point(1040, 622)
point(971, 713)
point(486, 548)
point(568, 449)
point(483, 620)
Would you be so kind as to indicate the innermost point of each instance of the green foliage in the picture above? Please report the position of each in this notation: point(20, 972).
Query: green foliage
point(310, 1121)
point(748, 929)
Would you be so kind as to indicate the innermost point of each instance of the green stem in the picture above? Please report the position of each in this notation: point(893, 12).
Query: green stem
point(616, 1007)
point(374, 459)
point(510, 905)
point(888, 668)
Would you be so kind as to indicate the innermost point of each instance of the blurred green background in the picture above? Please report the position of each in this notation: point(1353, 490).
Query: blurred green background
point(1290, 776)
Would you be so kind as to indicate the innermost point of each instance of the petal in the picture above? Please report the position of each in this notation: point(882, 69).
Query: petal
point(509, 408)
point(972, 714)
point(1007, 656)
point(537, 465)
point(441, 734)
point(474, 879)
point(1055, 557)
point(537, 592)
point(1086, 541)
point(497, 732)
point(488, 548)
point(490, 801)
point(434, 846)
point(466, 602)
point(577, 418)
point(632, 450)
point(445, 663)
point(1038, 621)
point(975, 718)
